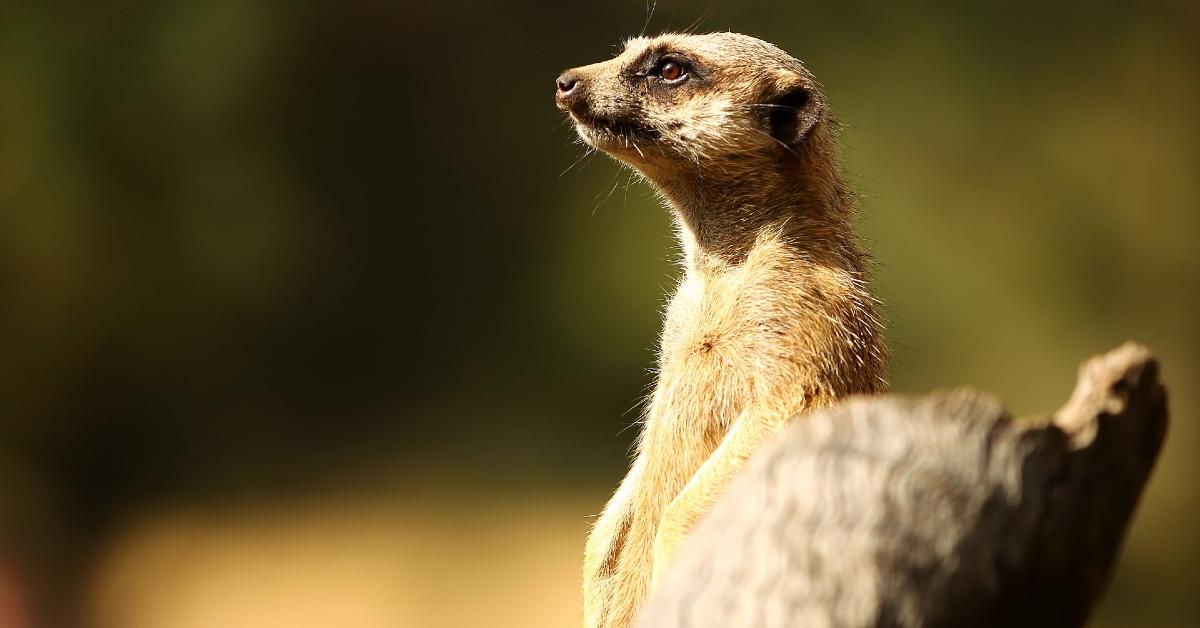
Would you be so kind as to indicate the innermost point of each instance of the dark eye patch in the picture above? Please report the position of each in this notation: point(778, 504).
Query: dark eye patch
point(643, 63)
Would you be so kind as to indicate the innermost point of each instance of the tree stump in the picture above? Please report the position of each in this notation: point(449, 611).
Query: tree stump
point(935, 511)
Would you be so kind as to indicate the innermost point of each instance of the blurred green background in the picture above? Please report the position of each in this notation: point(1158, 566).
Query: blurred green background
point(297, 311)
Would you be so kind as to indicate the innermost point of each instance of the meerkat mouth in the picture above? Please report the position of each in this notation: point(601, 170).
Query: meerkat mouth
point(604, 132)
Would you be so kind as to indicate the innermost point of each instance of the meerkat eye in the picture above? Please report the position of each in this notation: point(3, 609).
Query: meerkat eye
point(671, 71)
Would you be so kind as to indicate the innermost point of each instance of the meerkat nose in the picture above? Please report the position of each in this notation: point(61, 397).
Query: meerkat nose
point(566, 83)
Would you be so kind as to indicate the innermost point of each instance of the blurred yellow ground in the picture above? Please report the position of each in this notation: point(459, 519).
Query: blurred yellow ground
point(366, 565)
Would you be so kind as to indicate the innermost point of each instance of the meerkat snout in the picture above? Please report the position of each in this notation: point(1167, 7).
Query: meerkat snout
point(566, 83)
point(572, 95)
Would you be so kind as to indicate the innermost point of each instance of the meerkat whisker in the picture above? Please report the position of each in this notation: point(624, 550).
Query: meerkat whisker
point(651, 5)
point(587, 153)
point(616, 181)
point(691, 28)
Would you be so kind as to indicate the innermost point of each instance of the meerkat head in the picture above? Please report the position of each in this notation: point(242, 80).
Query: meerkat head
point(675, 104)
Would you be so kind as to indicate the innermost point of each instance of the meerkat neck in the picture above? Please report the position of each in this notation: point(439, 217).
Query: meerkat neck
point(718, 228)
point(804, 201)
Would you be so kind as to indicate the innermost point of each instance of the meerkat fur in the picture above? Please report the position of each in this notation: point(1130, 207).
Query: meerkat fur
point(772, 317)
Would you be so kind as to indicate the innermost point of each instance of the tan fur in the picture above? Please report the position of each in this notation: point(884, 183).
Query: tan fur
point(772, 317)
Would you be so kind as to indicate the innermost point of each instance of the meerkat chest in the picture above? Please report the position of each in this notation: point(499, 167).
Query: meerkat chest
point(721, 342)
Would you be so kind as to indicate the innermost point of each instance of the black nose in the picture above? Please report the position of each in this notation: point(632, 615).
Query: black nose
point(566, 82)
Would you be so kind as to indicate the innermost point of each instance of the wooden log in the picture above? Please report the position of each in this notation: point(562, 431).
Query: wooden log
point(936, 511)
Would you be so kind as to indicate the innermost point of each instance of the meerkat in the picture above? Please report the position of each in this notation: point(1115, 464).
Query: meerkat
point(772, 317)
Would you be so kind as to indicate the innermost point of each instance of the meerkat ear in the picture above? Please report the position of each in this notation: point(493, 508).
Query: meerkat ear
point(794, 112)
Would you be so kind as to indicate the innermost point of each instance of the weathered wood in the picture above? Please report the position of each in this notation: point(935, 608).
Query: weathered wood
point(938, 511)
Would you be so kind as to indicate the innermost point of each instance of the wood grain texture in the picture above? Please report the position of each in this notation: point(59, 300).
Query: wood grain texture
point(936, 511)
